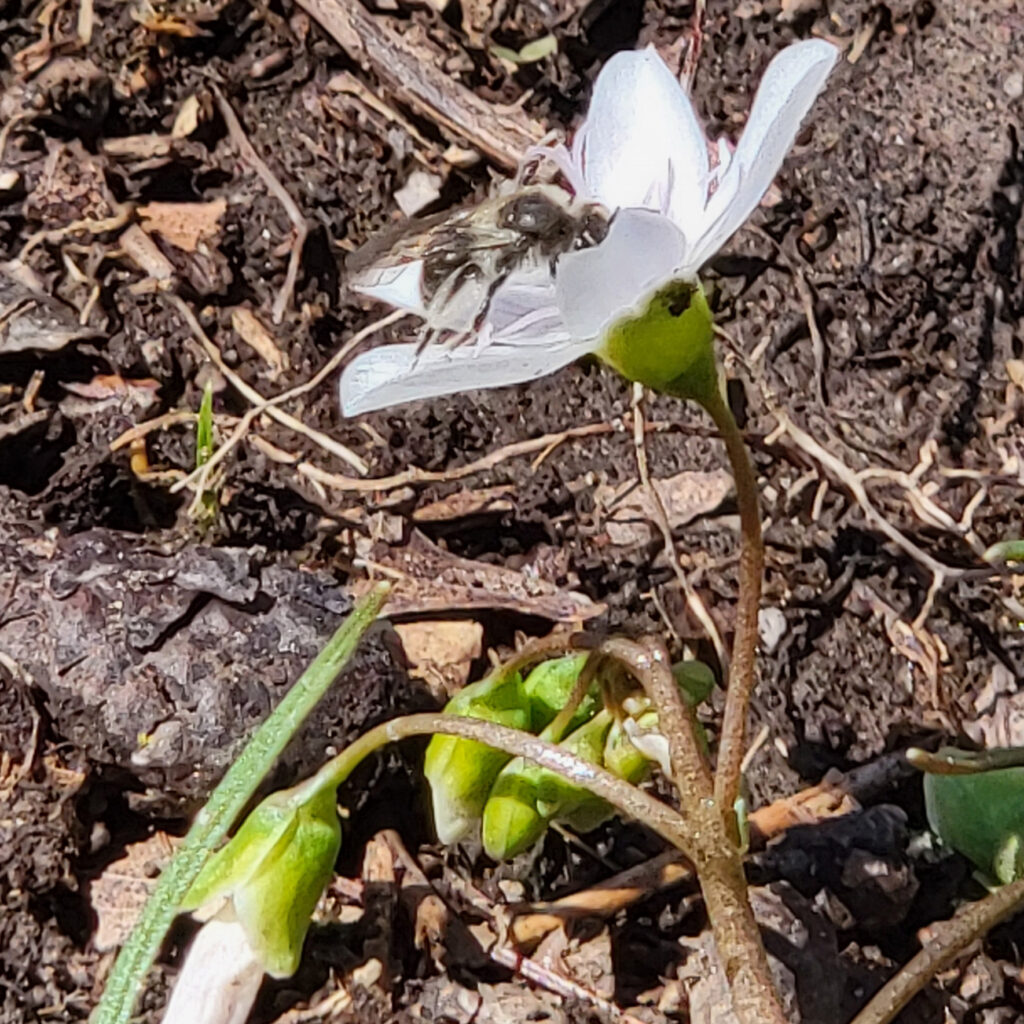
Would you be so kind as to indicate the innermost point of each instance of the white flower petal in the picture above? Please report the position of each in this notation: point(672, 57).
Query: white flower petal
point(652, 745)
point(219, 978)
point(600, 285)
point(641, 143)
point(524, 310)
point(400, 286)
point(789, 87)
point(392, 374)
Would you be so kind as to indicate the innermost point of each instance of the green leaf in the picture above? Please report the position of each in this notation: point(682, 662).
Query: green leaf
point(538, 49)
point(695, 679)
point(532, 52)
point(461, 772)
point(1005, 551)
point(204, 427)
point(981, 815)
point(669, 346)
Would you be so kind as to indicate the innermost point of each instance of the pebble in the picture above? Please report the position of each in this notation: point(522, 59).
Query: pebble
point(1013, 85)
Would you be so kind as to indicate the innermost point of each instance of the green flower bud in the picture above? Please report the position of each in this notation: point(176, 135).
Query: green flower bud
point(274, 870)
point(548, 688)
point(525, 798)
point(981, 816)
point(461, 772)
point(621, 757)
point(669, 347)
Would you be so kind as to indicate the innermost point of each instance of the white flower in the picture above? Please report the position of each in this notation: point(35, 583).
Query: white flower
point(220, 978)
point(642, 154)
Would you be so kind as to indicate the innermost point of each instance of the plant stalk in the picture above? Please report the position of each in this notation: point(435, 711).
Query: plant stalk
point(716, 857)
point(743, 668)
point(629, 799)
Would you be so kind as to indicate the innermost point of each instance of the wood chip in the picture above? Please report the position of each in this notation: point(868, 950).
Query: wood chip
point(184, 225)
point(441, 652)
point(411, 67)
point(187, 119)
point(249, 328)
point(145, 253)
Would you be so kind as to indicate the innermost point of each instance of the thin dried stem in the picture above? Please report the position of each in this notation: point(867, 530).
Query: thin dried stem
point(969, 923)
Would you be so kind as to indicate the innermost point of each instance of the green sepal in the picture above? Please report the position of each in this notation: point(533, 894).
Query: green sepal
point(621, 758)
point(461, 772)
point(669, 346)
point(548, 687)
point(274, 870)
point(525, 798)
point(981, 815)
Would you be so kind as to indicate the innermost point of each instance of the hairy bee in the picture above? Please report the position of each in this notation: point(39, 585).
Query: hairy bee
point(467, 255)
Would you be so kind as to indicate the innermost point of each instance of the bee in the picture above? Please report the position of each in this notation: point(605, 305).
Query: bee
point(466, 255)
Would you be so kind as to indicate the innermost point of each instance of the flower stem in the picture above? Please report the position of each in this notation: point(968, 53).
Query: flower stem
point(715, 854)
point(226, 802)
point(743, 668)
point(626, 797)
point(699, 833)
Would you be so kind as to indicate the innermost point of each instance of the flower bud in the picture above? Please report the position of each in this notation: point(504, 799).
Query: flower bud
point(461, 772)
point(525, 798)
point(548, 688)
point(273, 871)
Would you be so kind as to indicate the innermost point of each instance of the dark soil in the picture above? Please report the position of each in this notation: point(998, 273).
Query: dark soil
point(895, 234)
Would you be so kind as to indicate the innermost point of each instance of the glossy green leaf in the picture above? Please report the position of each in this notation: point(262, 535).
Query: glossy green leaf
point(981, 815)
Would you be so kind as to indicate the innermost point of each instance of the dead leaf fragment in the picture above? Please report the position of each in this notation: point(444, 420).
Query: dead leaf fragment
point(29, 321)
point(249, 328)
point(184, 225)
point(441, 652)
point(118, 895)
point(686, 496)
point(429, 579)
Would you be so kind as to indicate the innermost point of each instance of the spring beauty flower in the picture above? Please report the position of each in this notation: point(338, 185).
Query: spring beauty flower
point(673, 198)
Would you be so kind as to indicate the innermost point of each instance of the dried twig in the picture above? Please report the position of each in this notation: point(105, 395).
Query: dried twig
point(946, 942)
point(248, 154)
point(252, 395)
point(412, 67)
point(415, 475)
